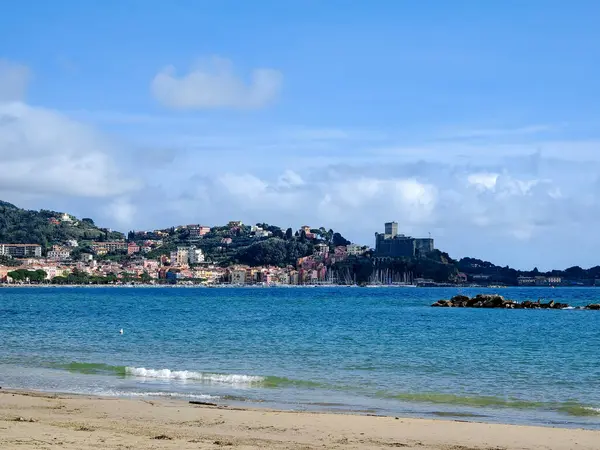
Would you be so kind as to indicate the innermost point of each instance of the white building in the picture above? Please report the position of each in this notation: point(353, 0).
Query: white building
point(354, 249)
point(195, 255)
point(59, 253)
point(21, 250)
point(187, 255)
point(238, 276)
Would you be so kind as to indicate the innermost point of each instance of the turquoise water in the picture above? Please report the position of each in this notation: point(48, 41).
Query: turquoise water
point(378, 351)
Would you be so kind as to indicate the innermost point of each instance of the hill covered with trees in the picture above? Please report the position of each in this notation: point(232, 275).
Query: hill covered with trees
point(22, 226)
point(263, 245)
point(271, 245)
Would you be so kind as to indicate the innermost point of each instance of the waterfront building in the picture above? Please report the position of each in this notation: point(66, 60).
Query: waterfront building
point(238, 276)
point(393, 245)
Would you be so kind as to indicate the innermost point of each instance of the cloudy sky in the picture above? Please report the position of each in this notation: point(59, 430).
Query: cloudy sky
point(477, 122)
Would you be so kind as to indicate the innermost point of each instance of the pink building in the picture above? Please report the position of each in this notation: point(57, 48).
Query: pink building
point(197, 231)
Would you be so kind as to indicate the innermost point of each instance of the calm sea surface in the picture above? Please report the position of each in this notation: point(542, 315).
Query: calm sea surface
point(365, 350)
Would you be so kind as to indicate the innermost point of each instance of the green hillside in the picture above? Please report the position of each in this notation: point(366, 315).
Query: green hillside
point(21, 226)
point(225, 246)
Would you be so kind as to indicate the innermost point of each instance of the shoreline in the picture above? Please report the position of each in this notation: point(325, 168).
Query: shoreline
point(32, 419)
point(283, 286)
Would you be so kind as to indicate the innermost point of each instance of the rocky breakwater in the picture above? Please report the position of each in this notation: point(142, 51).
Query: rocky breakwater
point(497, 301)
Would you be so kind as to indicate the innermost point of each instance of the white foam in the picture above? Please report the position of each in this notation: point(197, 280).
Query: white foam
point(170, 394)
point(112, 393)
point(167, 374)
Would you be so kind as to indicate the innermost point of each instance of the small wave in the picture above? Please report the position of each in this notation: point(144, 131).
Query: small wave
point(161, 394)
point(91, 368)
point(167, 374)
point(275, 382)
point(569, 408)
point(451, 399)
point(575, 409)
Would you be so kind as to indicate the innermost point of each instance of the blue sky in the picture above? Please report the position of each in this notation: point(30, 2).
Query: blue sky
point(475, 121)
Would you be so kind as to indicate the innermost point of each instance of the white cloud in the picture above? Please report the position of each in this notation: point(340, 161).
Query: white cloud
point(214, 84)
point(483, 181)
point(122, 211)
point(510, 216)
point(14, 79)
point(44, 152)
point(245, 185)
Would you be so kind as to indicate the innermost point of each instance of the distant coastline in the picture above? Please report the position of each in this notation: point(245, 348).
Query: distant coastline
point(57, 247)
point(282, 286)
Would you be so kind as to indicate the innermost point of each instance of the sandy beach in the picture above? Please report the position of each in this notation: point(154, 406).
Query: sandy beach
point(31, 420)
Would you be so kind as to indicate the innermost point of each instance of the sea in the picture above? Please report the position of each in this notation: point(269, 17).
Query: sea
point(379, 351)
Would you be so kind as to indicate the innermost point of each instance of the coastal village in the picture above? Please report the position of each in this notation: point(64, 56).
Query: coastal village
point(239, 255)
point(139, 259)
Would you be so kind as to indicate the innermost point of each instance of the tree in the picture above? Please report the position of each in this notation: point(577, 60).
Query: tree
point(289, 234)
point(88, 221)
point(59, 280)
point(145, 278)
point(38, 276)
point(575, 272)
point(9, 261)
point(296, 249)
point(17, 275)
point(34, 276)
point(269, 252)
point(339, 240)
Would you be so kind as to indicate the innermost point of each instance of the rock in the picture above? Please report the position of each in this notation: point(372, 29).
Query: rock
point(443, 303)
point(459, 299)
point(593, 306)
point(489, 301)
point(497, 301)
point(471, 302)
